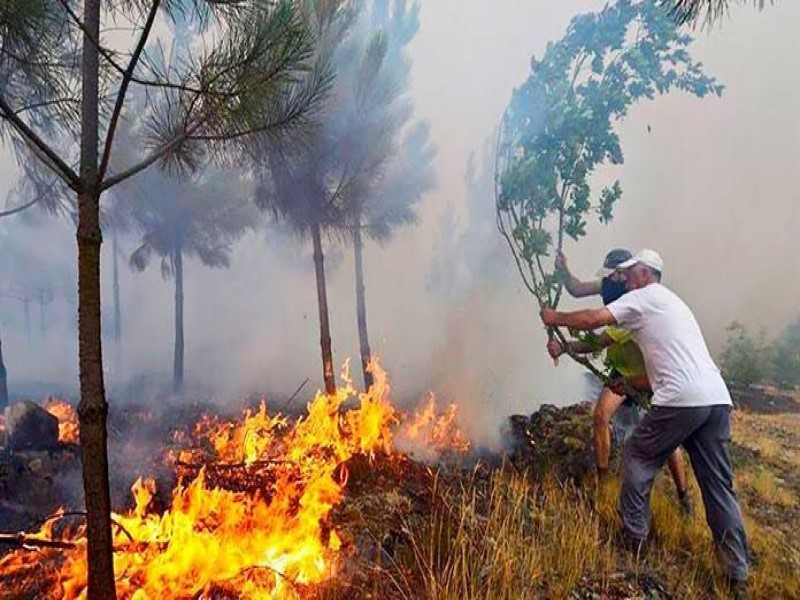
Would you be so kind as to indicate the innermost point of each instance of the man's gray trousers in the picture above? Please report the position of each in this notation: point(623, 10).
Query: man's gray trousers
point(705, 434)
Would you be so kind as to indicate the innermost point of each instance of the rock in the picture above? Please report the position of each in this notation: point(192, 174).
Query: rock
point(36, 462)
point(558, 440)
point(30, 427)
point(554, 440)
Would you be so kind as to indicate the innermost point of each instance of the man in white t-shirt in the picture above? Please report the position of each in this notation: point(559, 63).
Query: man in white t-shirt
point(691, 407)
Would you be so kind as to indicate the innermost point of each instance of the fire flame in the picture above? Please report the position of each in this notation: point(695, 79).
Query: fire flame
point(267, 544)
point(271, 542)
point(435, 431)
point(67, 420)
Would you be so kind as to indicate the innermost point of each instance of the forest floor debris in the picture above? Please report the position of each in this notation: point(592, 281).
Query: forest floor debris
point(533, 523)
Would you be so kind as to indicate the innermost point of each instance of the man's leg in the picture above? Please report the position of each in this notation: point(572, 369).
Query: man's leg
point(654, 440)
point(711, 461)
point(675, 464)
point(607, 405)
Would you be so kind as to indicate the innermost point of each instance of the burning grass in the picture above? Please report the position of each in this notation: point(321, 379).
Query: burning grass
point(67, 420)
point(327, 506)
point(250, 516)
point(429, 433)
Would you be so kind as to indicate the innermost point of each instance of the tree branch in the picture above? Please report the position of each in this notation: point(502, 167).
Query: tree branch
point(245, 132)
point(36, 200)
point(32, 63)
point(48, 155)
point(581, 360)
point(189, 135)
point(46, 103)
point(153, 157)
point(123, 88)
point(105, 52)
point(23, 540)
point(108, 56)
point(19, 209)
point(561, 208)
point(27, 205)
point(501, 226)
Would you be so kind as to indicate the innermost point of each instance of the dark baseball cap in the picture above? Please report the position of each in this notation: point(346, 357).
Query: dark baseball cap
point(614, 259)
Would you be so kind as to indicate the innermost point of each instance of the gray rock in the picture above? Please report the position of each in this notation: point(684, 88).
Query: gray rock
point(36, 462)
point(30, 427)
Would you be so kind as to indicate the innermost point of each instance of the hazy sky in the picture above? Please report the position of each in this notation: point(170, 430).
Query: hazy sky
point(711, 187)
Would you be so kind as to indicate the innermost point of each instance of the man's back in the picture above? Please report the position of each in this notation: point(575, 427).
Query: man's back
point(679, 366)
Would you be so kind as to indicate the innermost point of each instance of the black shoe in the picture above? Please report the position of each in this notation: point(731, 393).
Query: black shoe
point(636, 547)
point(737, 589)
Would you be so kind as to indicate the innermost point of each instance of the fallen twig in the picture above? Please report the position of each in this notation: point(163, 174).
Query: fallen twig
point(240, 465)
point(82, 513)
point(24, 540)
point(28, 542)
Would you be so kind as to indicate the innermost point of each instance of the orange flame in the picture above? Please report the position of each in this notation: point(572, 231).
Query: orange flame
point(269, 543)
point(68, 431)
point(434, 431)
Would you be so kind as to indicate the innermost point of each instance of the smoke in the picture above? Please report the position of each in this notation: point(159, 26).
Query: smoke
point(38, 305)
point(708, 183)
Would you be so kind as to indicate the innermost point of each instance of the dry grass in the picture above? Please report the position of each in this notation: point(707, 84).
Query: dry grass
point(769, 448)
point(508, 540)
point(514, 539)
point(767, 486)
point(775, 437)
point(504, 536)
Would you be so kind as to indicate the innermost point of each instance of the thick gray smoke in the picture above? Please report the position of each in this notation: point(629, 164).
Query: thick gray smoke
point(709, 183)
point(706, 182)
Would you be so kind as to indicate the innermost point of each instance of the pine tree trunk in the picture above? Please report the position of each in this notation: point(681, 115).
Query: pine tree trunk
point(3, 382)
point(93, 409)
point(324, 323)
point(177, 367)
point(115, 283)
point(361, 306)
point(117, 332)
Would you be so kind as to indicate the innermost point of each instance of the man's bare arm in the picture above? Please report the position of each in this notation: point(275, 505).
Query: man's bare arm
point(581, 289)
point(575, 287)
point(582, 320)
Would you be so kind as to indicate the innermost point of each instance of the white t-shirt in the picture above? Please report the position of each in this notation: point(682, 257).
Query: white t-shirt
point(681, 371)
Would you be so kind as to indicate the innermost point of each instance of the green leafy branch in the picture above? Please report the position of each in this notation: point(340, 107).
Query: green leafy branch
point(560, 127)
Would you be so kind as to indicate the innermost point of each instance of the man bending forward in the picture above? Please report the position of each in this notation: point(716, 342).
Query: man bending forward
point(691, 407)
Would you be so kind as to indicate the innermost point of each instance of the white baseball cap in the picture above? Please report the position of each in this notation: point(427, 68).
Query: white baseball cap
point(648, 257)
